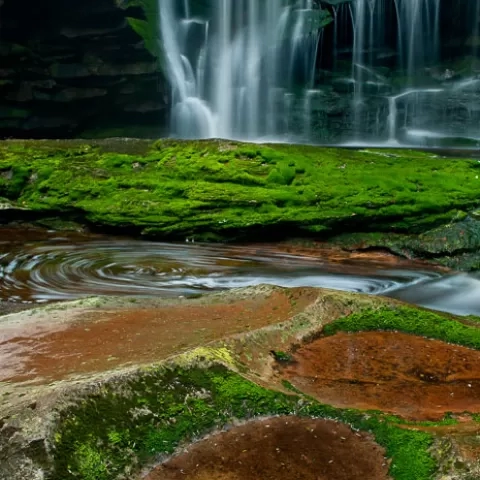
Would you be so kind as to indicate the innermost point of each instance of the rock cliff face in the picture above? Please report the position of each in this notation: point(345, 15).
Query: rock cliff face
point(77, 69)
point(84, 68)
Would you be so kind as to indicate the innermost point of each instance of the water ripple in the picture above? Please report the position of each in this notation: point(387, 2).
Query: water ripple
point(61, 268)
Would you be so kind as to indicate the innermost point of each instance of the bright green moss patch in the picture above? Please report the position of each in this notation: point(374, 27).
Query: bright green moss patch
point(108, 434)
point(225, 190)
point(408, 320)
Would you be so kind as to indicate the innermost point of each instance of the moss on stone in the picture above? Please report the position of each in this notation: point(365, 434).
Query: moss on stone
point(455, 244)
point(115, 430)
point(412, 320)
point(217, 190)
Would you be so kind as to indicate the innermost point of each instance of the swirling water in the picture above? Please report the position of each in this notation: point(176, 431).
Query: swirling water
point(41, 267)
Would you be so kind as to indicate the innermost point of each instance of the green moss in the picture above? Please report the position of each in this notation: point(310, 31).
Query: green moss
point(13, 180)
point(226, 190)
point(408, 320)
point(289, 386)
point(455, 244)
point(91, 464)
point(107, 433)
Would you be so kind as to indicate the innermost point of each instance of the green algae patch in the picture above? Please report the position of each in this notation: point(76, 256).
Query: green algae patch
point(415, 321)
point(113, 431)
point(222, 190)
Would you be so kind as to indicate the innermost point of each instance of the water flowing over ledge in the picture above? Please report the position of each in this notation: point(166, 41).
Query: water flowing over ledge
point(363, 72)
point(233, 74)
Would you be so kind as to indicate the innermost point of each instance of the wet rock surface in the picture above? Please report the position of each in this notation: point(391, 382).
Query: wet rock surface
point(281, 448)
point(99, 335)
point(73, 398)
point(414, 377)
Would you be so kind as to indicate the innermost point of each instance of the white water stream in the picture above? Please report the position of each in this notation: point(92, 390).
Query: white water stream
point(232, 73)
point(246, 69)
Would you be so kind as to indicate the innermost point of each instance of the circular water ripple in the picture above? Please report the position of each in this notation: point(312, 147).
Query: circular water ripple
point(59, 268)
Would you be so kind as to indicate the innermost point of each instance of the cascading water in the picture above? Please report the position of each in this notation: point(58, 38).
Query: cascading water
point(384, 72)
point(417, 23)
point(403, 91)
point(234, 69)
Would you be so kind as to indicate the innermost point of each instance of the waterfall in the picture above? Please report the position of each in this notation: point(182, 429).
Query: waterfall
point(228, 71)
point(267, 70)
point(417, 23)
point(476, 30)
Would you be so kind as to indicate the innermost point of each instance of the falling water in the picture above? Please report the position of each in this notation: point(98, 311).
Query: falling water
point(246, 69)
point(418, 31)
point(307, 112)
point(419, 27)
point(476, 30)
point(417, 44)
point(410, 95)
point(233, 71)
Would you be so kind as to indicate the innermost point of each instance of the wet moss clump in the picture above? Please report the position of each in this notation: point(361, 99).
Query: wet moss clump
point(412, 320)
point(222, 190)
point(112, 432)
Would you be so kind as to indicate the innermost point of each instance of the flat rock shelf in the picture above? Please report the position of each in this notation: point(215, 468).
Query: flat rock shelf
point(239, 383)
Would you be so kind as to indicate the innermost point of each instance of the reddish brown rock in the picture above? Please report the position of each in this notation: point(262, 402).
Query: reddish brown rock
point(97, 340)
point(414, 377)
point(282, 448)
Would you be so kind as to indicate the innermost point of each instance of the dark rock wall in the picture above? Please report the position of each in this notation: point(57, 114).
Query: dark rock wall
point(76, 68)
point(455, 112)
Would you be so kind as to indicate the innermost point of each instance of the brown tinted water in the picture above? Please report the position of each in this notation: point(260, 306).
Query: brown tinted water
point(38, 266)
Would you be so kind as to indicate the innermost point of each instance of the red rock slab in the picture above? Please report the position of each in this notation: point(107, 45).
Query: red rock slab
point(281, 448)
point(101, 340)
point(414, 377)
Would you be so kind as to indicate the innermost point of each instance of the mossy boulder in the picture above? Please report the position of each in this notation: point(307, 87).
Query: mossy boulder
point(222, 190)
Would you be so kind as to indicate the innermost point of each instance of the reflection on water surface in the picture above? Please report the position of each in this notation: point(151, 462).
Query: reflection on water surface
point(40, 266)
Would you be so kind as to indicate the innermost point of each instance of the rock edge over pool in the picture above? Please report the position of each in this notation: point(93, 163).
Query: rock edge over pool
point(108, 425)
point(217, 190)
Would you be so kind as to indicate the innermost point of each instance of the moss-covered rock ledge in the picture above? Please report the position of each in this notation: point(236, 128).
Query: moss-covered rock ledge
point(222, 190)
point(110, 426)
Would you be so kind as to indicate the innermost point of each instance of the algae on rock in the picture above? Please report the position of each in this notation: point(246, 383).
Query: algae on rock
point(109, 427)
